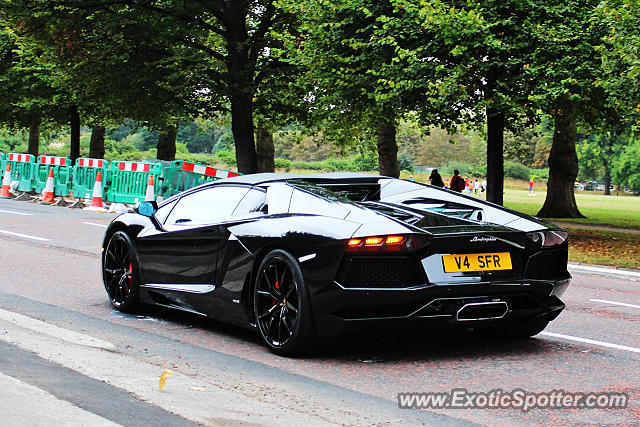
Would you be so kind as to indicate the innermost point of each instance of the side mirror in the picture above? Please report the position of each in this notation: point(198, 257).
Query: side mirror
point(146, 208)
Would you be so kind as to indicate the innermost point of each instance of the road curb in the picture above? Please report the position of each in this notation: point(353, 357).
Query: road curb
point(605, 270)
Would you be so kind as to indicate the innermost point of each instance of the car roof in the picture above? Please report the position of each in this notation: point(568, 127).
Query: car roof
point(266, 177)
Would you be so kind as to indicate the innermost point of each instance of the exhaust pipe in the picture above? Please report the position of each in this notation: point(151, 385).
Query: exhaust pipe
point(482, 311)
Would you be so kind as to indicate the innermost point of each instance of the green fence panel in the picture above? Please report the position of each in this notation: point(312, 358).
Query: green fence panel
point(3, 160)
point(84, 176)
point(62, 172)
point(23, 168)
point(128, 181)
point(181, 175)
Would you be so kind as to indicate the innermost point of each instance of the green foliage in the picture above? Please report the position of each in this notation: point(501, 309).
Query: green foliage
point(620, 76)
point(369, 54)
point(405, 162)
point(516, 170)
point(227, 157)
point(282, 163)
point(12, 142)
point(365, 163)
point(626, 171)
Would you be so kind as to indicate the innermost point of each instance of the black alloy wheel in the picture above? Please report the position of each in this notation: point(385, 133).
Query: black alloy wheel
point(119, 271)
point(281, 304)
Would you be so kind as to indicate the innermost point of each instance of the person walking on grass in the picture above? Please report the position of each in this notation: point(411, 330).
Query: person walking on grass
point(436, 179)
point(531, 193)
point(457, 183)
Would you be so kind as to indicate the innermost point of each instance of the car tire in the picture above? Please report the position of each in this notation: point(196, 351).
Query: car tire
point(281, 305)
point(120, 273)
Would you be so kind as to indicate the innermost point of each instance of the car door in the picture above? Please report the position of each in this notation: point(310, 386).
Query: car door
point(182, 254)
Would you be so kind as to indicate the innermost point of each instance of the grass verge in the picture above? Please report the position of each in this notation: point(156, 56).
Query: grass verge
point(604, 248)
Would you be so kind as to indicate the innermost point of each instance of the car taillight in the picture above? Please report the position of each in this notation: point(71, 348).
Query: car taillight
point(385, 243)
point(548, 238)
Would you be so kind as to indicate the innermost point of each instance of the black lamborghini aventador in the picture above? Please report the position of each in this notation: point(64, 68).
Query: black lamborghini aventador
point(302, 256)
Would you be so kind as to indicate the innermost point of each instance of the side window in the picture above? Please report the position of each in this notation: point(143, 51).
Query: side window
point(207, 206)
point(163, 212)
point(253, 203)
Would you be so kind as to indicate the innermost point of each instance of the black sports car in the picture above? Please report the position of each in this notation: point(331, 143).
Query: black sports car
point(301, 256)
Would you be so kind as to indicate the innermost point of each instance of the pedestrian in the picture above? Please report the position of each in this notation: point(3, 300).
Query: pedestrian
point(411, 178)
point(446, 184)
point(531, 193)
point(476, 185)
point(457, 183)
point(436, 179)
point(484, 184)
point(470, 187)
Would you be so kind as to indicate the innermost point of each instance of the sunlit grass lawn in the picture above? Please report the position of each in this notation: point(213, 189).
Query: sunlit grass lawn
point(616, 211)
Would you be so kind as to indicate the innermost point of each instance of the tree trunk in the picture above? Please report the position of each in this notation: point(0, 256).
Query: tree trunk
point(388, 149)
point(96, 146)
point(242, 129)
point(167, 143)
point(74, 119)
point(264, 149)
point(34, 137)
point(495, 156)
point(607, 179)
point(563, 169)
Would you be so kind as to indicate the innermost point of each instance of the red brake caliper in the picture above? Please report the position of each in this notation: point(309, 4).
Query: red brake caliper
point(130, 277)
point(277, 287)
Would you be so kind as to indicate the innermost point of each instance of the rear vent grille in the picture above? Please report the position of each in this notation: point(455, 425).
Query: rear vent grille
point(377, 272)
point(547, 265)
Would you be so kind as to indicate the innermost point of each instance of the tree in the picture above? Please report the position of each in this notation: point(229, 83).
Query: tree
point(115, 64)
point(29, 97)
point(374, 62)
point(498, 86)
point(597, 154)
point(564, 58)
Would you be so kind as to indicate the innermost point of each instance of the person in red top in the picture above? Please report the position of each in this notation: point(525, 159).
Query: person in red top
point(531, 193)
point(457, 183)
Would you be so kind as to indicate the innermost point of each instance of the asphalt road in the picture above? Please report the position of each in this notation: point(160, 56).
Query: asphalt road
point(66, 356)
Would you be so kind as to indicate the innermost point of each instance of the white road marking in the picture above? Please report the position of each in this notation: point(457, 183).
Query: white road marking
point(97, 225)
point(590, 341)
point(624, 304)
point(180, 397)
point(54, 331)
point(40, 408)
point(604, 270)
point(16, 212)
point(26, 236)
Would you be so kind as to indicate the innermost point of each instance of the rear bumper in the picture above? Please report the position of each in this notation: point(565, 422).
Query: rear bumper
point(337, 309)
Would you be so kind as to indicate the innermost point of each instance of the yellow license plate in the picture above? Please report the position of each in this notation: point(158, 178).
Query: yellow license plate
point(476, 262)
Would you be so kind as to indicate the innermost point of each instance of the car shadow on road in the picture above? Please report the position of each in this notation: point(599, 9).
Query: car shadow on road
point(368, 346)
point(415, 345)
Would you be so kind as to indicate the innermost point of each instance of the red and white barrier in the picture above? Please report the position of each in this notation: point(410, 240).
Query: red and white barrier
point(208, 171)
point(134, 167)
point(53, 161)
point(91, 163)
point(23, 158)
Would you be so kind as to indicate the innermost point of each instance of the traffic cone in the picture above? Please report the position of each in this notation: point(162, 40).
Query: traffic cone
point(96, 197)
point(6, 183)
point(149, 195)
point(47, 198)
